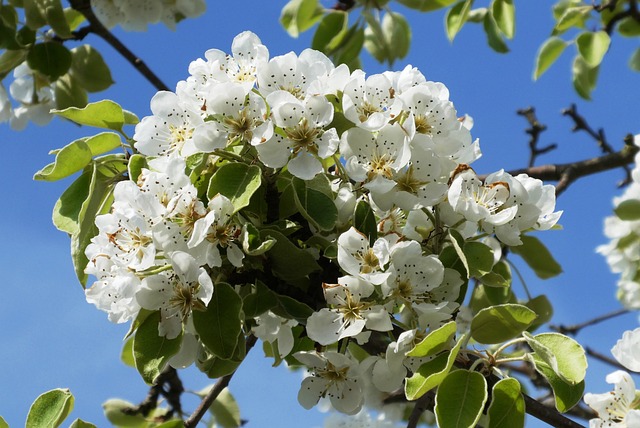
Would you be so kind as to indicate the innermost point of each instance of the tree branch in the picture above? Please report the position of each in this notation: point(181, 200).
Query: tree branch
point(574, 329)
point(547, 414)
point(169, 378)
point(215, 391)
point(96, 27)
point(536, 129)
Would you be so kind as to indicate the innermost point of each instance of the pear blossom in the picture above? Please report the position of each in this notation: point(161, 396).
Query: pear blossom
point(332, 375)
point(35, 95)
point(627, 350)
point(359, 259)
point(114, 292)
point(305, 140)
point(176, 293)
point(349, 314)
point(274, 329)
point(369, 102)
point(618, 408)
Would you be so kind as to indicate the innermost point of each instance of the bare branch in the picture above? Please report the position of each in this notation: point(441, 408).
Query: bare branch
point(96, 27)
point(574, 329)
point(215, 391)
point(426, 402)
point(534, 131)
point(167, 385)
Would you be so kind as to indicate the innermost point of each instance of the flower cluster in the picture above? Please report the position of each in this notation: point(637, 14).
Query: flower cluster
point(620, 407)
point(34, 94)
point(135, 15)
point(389, 154)
point(623, 250)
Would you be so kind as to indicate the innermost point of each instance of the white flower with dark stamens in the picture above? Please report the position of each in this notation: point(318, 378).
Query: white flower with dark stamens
point(301, 137)
point(274, 329)
point(176, 293)
point(170, 129)
point(617, 408)
point(217, 230)
point(234, 115)
point(404, 79)
point(478, 202)
point(370, 103)
point(114, 292)
point(334, 376)
point(627, 350)
point(359, 259)
point(349, 314)
point(248, 55)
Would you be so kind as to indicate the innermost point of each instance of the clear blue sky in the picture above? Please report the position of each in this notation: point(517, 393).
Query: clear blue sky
point(52, 338)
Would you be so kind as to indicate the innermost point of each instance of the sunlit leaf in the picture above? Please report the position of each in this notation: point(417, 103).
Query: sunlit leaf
point(494, 37)
point(497, 324)
point(299, 15)
point(88, 67)
point(566, 394)
point(236, 181)
point(538, 257)
point(456, 18)
point(593, 46)
point(152, 351)
point(50, 409)
point(507, 406)
point(102, 114)
point(548, 53)
point(460, 399)
point(51, 59)
point(504, 13)
point(562, 354)
point(435, 341)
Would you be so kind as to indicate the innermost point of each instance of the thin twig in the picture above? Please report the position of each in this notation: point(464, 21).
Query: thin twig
point(604, 358)
point(211, 396)
point(572, 330)
point(167, 378)
point(534, 132)
point(96, 27)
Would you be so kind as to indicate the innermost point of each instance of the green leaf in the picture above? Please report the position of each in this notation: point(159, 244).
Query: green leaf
point(634, 61)
point(54, 14)
point(435, 341)
point(259, 301)
point(628, 210)
point(236, 181)
point(566, 394)
point(426, 5)
point(572, 17)
point(365, 221)
point(397, 33)
point(331, 32)
point(252, 244)
point(152, 351)
point(67, 209)
point(34, 14)
point(494, 38)
point(457, 242)
point(629, 27)
point(50, 409)
point(10, 60)
point(548, 53)
point(69, 93)
point(592, 46)
point(479, 258)
point(70, 159)
point(292, 309)
point(562, 354)
point(115, 412)
point(299, 15)
point(504, 13)
point(51, 59)
point(219, 326)
point(215, 367)
point(497, 324)
point(226, 411)
point(456, 18)
point(538, 257)
point(507, 406)
point(102, 114)
point(90, 70)
point(136, 163)
point(348, 53)
point(375, 41)
point(126, 355)
point(3, 423)
point(73, 17)
point(287, 260)
point(584, 77)
point(460, 399)
point(314, 205)
point(430, 374)
point(500, 275)
point(543, 308)
point(173, 423)
point(79, 423)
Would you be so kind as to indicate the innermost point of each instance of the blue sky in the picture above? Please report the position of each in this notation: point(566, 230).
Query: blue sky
point(53, 338)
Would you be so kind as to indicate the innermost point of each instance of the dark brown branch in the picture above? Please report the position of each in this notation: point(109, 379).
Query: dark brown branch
point(215, 391)
point(96, 27)
point(167, 385)
point(344, 5)
point(604, 358)
point(426, 402)
point(548, 415)
point(572, 330)
point(534, 132)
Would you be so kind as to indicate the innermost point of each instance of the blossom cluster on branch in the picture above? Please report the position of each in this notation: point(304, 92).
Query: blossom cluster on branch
point(334, 214)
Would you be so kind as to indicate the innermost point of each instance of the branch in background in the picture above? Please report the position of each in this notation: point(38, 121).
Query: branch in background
point(536, 129)
point(344, 5)
point(604, 358)
point(632, 12)
point(580, 124)
point(215, 391)
point(572, 330)
point(426, 402)
point(96, 27)
point(174, 389)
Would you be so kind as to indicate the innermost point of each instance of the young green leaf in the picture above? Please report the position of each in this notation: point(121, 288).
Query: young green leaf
point(70, 159)
point(538, 257)
point(375, 41)
point(79, 423)
point(287, 260)
point(102, 114)
point(507, 406)
point(426, 5)
point(90, 70)
point(115, 411)
point(500, 276)
point(330, 32)
point(497, 324)
point(494, 38)
point(10, 60)
point(634, 61)
point(69, 93)
point(456, 18)
point(430, 374)
point(543, 308)
point(3, 423)
point(584, 77)
point(299, 15)
point(51, 59)
point(314, 205)
point(460, 399)
point(397, 32)
point(226, 411)
point(562, 354)
point(592, 46)
point(236, 181)
point(435, 341)
point(566, 394)
point(628, 210)
point(572, 17)
point(50, 409)
point(504, 13)
point(548, 53)
point(219, 327)
point(151, 351)
point(479, 258)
